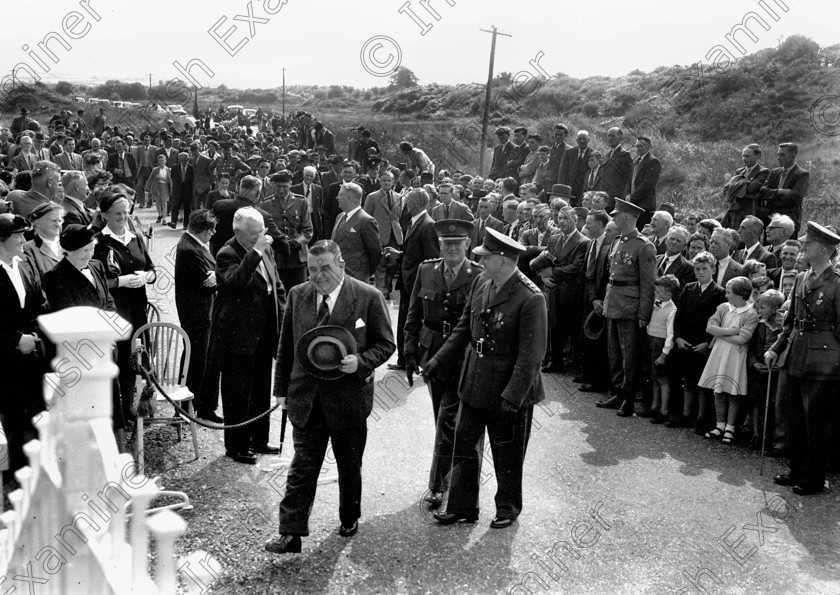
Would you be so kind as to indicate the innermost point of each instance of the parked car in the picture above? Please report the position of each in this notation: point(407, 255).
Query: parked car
point(80, 100)
point(104, 102)
point(177, 110)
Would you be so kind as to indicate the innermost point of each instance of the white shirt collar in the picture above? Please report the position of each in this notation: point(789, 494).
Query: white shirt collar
point(672, 258)
point(333, 297)
point(353, 212)
point(740, 309)
point(106, 231)
point(704, 287)
point(415, 218)
point(748, 251)
point(197, 239)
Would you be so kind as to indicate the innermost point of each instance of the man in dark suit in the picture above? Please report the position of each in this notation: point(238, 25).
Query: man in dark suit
point(617, 169)
point(518, 153)
point(20, 123)
point(334, 175)
point(67, 159)
point(646, 170)
point(21, 364)
point(501, 153)
point(420, 243)
point(314, 195)
point(575, 166)
point(720, 246)
point(168, 151)
point(331, 208)
point(357, 234)
point(448, 208)
point(660, 224)
point(220, 192)
point(370, 183)
point(182, 190)
point(26, 159)
point(785, 189)
point(483, 221)
point(195, 286)
point(741, 191)
point(332, 410)
point(224, 210)
point(750, 231)
point(244, 332)
point(502, 331)
point(555, 156)
point(204, 173)
point(121, 165)
point(672, 262)
point(385, 206)
point(75, 191)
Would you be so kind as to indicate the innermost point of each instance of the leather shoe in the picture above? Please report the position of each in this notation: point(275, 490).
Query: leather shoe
point(349, 531)
point(212, 417)
point(658, 418)
point(267, 449)
point(434, 500)
point(285, 544)
point(645, 411)
point(246, 458)
point(171, 224)
point(677, 422)
point(807, 489)
point(626, 409)
point(611, 403)
point(398, 367)
point(784, 479)
point(445, 518)
point(500, 523)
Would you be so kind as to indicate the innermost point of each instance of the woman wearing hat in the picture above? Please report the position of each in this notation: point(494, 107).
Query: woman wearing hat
point(128, 268)
point(159, 187)
point(43, 251)
point(77, 280)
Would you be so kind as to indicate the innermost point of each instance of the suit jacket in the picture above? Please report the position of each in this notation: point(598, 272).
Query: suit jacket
point(555, 160)
point(743, 188)
point(573, 171)
point(242, 303)
point(182, 189)
point(501, 156)
point(660, 247)
point(643, 182)
point(596, 277)
point(203, 174)
point(331, 208)
point(75, 214)
point(615, 174)
point(73, 161)
point(733, 270)
point(171, 155)
point(694, 310)
point(20, 163)
point(65, 287)
point(517, 158)
point(358, 238)
point(316, 212)
point(681, 268)
point(224, 210)
point(39, 256)
point(457, 210)
point(565, 256)
point(328, 178)
point(513, 325)
point(387, 217)
point(421, 243)
point(192, 264)
point(114, 163)
point(477, 236)
point(348, 401)
point(761, 254)
point(797, 181)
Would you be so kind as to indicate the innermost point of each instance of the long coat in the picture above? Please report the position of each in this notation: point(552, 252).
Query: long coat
point(348, 401)
point(66, 287)
point(41, 258)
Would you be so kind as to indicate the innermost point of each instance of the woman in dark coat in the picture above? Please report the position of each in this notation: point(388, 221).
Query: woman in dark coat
point(43, 251)
point(128, 268)
point(77, 280)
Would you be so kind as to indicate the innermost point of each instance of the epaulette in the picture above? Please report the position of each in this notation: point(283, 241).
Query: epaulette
point(477, 265)
point(528, 283)
point(432, 260)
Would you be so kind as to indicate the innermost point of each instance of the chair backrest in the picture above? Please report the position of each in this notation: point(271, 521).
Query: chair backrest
point(168, 346)
point(152, 312)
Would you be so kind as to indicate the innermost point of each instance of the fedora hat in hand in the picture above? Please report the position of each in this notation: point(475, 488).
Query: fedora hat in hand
point(321, 349)
point(594, 327)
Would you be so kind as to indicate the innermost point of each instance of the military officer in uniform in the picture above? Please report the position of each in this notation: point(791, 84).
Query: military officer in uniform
point(628, 305)
point(228, 164)
point(437, 300)
point(811, 335)
point(503, 330)
point(291, 214)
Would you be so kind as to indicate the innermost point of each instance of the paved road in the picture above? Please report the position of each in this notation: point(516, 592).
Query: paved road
point(611, 506)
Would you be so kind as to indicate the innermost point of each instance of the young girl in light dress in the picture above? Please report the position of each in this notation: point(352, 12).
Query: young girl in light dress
point(725, 374)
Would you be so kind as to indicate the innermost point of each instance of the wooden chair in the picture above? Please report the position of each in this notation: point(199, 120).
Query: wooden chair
point(168, 346)
point(152, 312)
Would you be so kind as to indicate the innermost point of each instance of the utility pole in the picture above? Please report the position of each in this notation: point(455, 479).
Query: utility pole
point(284, 93)
point(486, 118)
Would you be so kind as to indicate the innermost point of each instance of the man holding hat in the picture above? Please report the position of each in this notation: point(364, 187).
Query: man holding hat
point(291, 214)
point(628, 305)
point(811, 335)
point(437, 301)
point(335, 333)
point(503, 330)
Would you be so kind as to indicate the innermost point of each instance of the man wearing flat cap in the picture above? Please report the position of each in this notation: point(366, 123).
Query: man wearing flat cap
point(811, 336)
point(328, 403)
point(628, 305)
point(501, 153)
point(503, 330)
point(437, 301)
point(20, 123)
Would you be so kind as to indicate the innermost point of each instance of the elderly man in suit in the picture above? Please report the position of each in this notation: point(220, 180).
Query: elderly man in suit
point(617, 168)
point(314, 195)
point(742, 189)
point(121, 164)
point(385, 206)
point(291, 213)
point(720, 246)
point(183, 176)
point(785, 188)
point(646, 170)
point(245, 330)
point(671, 261)
point(75, 191)
point(195, 287)
point(660, 224)
point(501, 153)
point(45, 181)
point(224, 210)
point(26, 159)
point(357, 234)
point(502, 332)
point(204, 172)
point(448, 208)
point(331, 208)
point(67, 159)
point(328, 408)
point(560, 267)
point(575, 166)
point(750, 231)
point(778, 231)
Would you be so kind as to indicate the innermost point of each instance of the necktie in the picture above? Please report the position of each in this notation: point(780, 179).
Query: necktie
point(183, 173)
point(663, 266)
point(782, 178)
point(480, 229)
point(323, 311)
point(449, 277)
point(446, 211)
point(593, 255)
point(390, 201)
point(491, 292)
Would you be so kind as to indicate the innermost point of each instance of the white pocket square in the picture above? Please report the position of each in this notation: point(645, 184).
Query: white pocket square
point(359, 323)
point(352, 230)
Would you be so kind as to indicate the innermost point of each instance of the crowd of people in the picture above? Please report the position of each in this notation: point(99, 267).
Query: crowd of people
point(561, 260)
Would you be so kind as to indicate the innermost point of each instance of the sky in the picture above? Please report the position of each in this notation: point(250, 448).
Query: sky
point(246, 43)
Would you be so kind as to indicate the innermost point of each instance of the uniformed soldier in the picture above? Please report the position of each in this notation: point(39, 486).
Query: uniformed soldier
point(291, 214)
point(437, 300)
point(811, 335)
point(628, 305)
point(503, 330)
point(228, 164)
